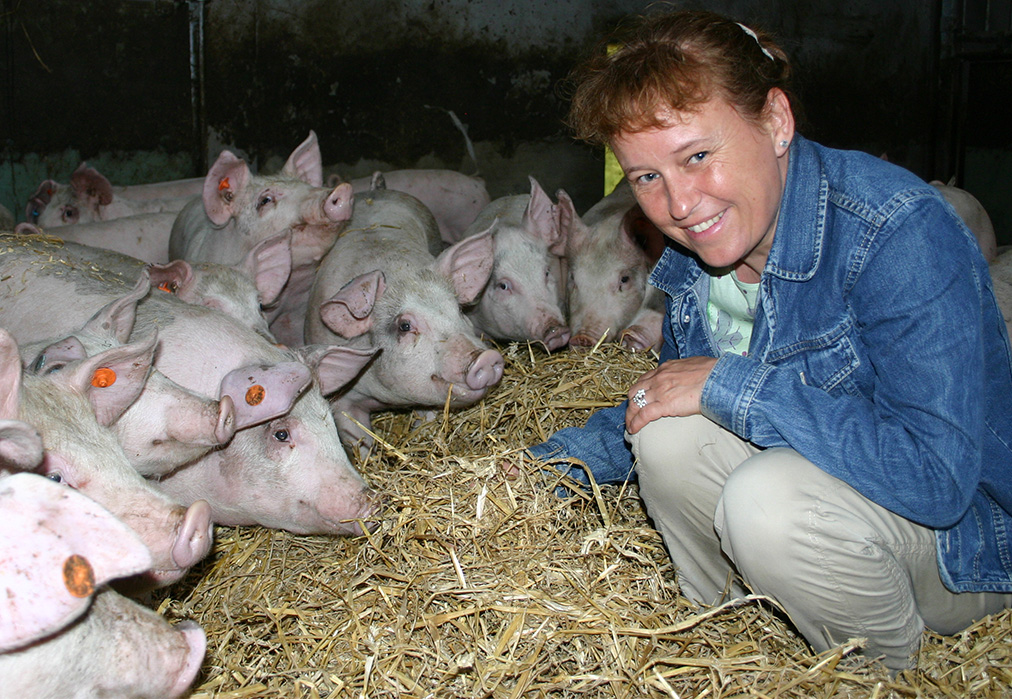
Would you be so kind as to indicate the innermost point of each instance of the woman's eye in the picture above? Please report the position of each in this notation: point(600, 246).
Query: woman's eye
point(698, 157)
point(281, 435)
point(647, 178)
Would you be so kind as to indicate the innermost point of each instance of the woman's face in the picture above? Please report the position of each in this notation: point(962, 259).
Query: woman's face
point(712, 181)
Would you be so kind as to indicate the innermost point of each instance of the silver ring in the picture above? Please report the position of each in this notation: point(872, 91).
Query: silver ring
point(640, 398)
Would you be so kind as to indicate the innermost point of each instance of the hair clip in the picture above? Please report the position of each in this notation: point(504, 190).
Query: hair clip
point(756, 37)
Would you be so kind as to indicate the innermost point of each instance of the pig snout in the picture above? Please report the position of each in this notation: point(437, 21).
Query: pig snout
point(193, 539)
point(338, 204)
point(225, 429)
point(485, 371)
point(355, 516)
point(583, 339)
point(556, 337)
point(196, 642)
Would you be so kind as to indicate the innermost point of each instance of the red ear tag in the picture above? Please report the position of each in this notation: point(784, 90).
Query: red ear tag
point(78, 576)
point(255, 394)
point(103, 377)
point(223, 184)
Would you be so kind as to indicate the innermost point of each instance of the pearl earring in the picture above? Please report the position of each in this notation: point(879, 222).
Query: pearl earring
point(784, 143)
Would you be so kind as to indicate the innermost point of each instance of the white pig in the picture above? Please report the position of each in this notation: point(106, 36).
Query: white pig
point(237, 210)
point(287, 469)
point(62, 633)
point(69, 409)
point(610, 252)
point(91, 197)
point(429, 354)
point(523, 299)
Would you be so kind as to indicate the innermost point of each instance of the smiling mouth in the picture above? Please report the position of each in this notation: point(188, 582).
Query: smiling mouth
point(700, 227)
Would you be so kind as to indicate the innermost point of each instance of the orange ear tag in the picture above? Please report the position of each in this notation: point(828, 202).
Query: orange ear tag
point(255, 394)
point(78, 576)
point(168, 287)
point(223, 184)
point(49, 192)
point(103, 377)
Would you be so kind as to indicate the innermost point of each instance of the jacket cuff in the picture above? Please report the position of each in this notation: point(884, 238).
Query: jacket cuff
point(730, 390)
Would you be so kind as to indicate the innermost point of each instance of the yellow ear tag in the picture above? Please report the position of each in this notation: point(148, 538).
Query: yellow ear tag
point(103, 377)
point(78, 576)
point(255, 394)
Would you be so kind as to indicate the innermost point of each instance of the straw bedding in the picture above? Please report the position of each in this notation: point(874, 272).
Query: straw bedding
point(481, 585)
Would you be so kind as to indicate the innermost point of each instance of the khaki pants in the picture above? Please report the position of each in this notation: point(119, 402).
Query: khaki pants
point(841, 566)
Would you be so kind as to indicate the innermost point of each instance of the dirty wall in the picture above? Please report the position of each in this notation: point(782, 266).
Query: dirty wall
point(151, 89)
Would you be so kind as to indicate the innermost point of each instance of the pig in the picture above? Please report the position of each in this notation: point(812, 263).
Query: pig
point(167, 426)
point(91, 197)
point(58, 545)
point(6, 219)
point(523, 299)
point(973, 215)
point(285, 466)
point(62, 632)
point(610, 252)
point(237, 210)
point(239, 291)
point(380, 286)
point(144, 236)
point(455, 199)
point(71, 410)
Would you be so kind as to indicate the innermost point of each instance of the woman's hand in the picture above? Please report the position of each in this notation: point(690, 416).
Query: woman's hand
point(672, 389)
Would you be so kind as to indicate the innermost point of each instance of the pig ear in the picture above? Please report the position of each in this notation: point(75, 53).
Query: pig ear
point(305, 163)
point(349, 312)
point(335, 367)
point(116, 318)
point(224, 182)
point(378, 181)
point(263, 392)
point(40, 200)
point(468, 264)
point(112, 379)
point(171, 277)
point(20, 446)
point(574, 230)
point(643, 233)
point(61, 547)
point(58, 355)
point(88, 183)
point(10, 376)
point(27, 229)
point(269, 265)
point(541, 220)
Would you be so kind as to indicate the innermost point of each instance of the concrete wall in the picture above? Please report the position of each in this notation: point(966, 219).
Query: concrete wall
point(109, 81)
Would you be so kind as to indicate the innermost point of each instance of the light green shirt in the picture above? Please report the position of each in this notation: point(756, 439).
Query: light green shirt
point(731, 310)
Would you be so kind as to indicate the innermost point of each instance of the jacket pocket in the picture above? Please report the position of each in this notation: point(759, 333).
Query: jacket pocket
point(829, 361)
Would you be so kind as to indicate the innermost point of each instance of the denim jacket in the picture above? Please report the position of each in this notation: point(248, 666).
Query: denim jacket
point(878, 353)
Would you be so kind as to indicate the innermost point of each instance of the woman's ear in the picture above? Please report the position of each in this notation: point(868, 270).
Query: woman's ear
point(779, 119)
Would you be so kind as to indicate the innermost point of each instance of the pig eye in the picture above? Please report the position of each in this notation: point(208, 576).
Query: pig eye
point(69, 214)
point(404, 326)
point(282, 435)
point(55, 477)
point(265, 199)
point(504, 285)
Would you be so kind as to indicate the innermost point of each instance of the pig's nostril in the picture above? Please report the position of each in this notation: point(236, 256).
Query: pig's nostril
point(582, 340)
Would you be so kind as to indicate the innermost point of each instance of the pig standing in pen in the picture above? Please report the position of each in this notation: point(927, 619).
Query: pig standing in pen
point(381, 286)
point(62, 632)
point(238, 210)
point(524, 297)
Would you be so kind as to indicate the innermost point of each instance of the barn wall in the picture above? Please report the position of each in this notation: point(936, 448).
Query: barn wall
point(110, 81)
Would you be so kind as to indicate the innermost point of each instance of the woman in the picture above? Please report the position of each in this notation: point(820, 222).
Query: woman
point(830, 421)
